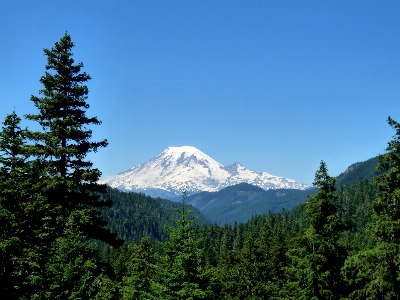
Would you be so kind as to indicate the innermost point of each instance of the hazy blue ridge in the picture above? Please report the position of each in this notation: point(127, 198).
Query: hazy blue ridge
point(240, 202)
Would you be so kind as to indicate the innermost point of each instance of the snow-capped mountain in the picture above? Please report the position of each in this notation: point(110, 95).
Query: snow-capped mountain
point(187, 167)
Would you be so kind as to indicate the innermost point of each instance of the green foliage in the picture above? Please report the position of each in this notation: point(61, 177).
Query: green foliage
point(356, 202)
point(372, 274)
point(252, 274)
point(141, 281)
point(49, 196)
point(14, 181)
point(64, 143)
point(255, 269)
point(24, 222)
point(72, 271)
point(375, 273)
point(134, 215)
point(316, 263)
point(386, 226)
point(184, 274)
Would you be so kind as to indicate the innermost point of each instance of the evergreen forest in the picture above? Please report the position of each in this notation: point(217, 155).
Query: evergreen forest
point(64, 236)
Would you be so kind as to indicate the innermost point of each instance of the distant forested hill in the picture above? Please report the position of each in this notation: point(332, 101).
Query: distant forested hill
point(242, 201)
point(135, 215)
point(273, 201)
point(359, 171)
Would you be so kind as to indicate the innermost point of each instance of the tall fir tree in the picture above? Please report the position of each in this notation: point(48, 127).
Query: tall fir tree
point(184, 274)
point(73, 271)
point(49, 194)
point(375, 273)
point(65, 141)
point(140, 281)
point(254, 272)
point(14, 193)
point(386, 228)
point(23, 213)
point(319, 257)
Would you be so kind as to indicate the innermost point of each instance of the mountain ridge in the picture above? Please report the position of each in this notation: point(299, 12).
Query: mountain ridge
point(241, 201)
point(359, 171)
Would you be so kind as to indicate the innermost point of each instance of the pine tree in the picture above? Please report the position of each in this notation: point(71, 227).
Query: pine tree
point(73, 271)
point(49, 192)
point(374, 273)
point(254, 269)
point(22, 211)
point(317, 262)
point(64, 143)
point(14, 187)
point(386, 207)
point(225, 280)
point(276, 257)
point(140, 281)
point(184, 273)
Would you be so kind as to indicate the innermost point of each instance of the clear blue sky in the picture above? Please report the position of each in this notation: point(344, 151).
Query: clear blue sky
point(274, 85)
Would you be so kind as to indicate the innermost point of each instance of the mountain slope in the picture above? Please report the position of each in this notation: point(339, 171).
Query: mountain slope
point(239, 202)
point(235, 194)
point(242, 212)
point(187, 167)
point(135, 215)
point(359, 171)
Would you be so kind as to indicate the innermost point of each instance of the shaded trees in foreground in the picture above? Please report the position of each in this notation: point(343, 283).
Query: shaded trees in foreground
point(316, 262)
point(49, 196)
point(375, 273)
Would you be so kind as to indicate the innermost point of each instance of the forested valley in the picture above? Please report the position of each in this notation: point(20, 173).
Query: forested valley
point(64, 236)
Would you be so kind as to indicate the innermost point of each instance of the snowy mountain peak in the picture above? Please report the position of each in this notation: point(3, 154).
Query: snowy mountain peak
point(187, 167)
point(185, 155)
point(182, 149)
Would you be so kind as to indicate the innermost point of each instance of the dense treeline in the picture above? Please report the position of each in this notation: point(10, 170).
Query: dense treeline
point(261, 258)
point(55, 243)
point(135, 215)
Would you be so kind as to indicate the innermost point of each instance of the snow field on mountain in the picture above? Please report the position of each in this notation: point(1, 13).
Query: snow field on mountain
point(187, 167)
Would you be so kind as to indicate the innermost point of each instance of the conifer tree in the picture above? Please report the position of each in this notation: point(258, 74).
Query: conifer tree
point(23, 213)
point(50, 191)
point(73, 272)
point(276, 256)
point(140, 282)
point(375, 273)
point(254, 270)
point(184, 275)
point(65, 141)
point(386, 228)
point(226, 275)
point(14, 187)
point(317, 262)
